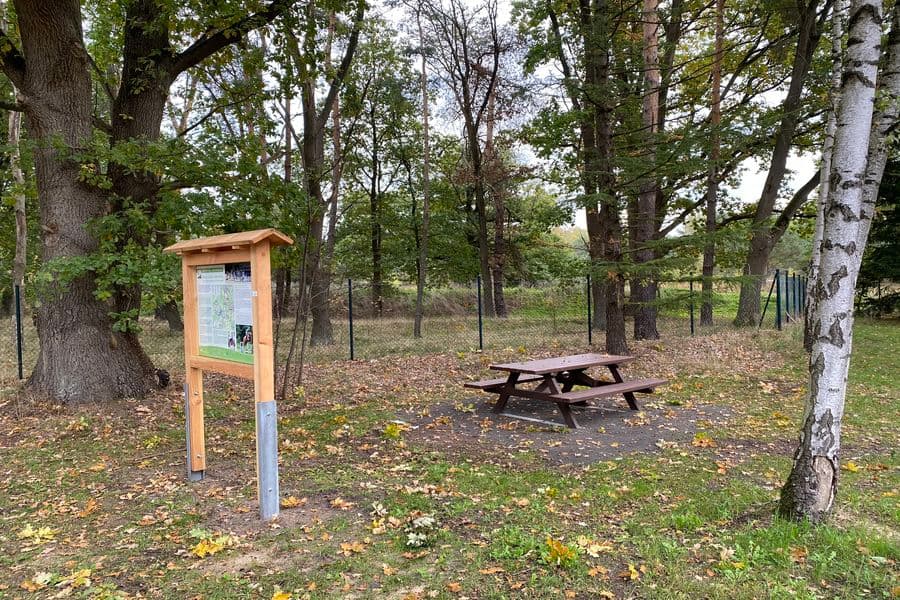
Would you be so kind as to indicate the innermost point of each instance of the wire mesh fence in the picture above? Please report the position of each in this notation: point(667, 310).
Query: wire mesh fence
point(368, 322)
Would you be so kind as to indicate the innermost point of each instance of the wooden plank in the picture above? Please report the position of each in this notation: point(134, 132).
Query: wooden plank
point(196, 425)
point(263, 350)
point(487, 384)
point(194, 377)
point(201, 259)
point(257, 236)
point(563, 363)
point(226, 367)
point(636, 385)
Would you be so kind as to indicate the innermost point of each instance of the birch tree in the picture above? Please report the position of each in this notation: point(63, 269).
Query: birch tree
point(811, 486)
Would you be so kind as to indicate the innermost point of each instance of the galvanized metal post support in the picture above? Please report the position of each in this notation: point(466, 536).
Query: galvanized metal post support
point(192, 475)
point(267, 459)
point(480, 315)
point(18, 291)
point(350, 314)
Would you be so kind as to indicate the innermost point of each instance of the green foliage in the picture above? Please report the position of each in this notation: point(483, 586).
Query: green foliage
point(880, 270)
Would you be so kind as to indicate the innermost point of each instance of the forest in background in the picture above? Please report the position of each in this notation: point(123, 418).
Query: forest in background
point(422, 144)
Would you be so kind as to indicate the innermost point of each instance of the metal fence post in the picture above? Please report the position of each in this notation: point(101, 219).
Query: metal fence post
point(590, 323)
point(18, 291)
point(788, 305)
point(778, 299)
point(796, 285)
point(691, 287)
point(350, 314)
point(480, 317)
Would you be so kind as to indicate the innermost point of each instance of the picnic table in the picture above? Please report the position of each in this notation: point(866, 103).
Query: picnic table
point(556, 379)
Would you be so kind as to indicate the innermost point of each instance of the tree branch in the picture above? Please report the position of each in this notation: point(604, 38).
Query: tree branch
point(799, 199)
point(11, 106)
point(344, 67)
point(208, 44)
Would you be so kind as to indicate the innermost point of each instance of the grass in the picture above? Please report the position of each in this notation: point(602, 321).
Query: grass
point(226, 354)
point(101, 489)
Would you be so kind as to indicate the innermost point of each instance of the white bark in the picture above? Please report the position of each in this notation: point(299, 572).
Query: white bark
point(811, 487)
point(887, 116)
point(834, 97)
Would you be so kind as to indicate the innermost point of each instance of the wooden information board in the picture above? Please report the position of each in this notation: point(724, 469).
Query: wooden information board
point(228, 329)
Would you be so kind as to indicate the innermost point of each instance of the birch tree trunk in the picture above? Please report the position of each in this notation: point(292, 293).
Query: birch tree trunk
point(837, 50)
point(811, 486)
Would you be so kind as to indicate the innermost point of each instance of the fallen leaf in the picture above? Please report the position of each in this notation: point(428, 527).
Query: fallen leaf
point(341, 504)
point(292, 502)
point(89, 507)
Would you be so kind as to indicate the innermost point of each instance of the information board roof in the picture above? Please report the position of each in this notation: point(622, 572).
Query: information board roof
point(229, 240)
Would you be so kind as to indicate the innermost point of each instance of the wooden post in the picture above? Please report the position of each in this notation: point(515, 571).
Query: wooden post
point(193, 389)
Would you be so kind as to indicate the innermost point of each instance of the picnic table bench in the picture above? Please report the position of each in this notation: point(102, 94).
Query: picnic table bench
point(556, 378)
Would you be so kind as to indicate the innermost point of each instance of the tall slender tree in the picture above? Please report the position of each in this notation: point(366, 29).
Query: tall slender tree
point(712, 179)
point(812, 16)
point(810, 490)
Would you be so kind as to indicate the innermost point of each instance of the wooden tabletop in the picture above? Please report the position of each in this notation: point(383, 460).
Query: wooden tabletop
point(563, 363)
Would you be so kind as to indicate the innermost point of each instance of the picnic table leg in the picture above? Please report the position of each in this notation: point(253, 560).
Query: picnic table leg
point(629, 396)
point(567, 415)
point(576, 377)
point(505, 393)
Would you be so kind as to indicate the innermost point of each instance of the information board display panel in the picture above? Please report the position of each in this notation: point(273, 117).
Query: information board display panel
point(225, 312)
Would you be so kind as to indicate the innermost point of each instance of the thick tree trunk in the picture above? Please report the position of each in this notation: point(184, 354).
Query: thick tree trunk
point(315, 118)
point(812, 484)
point(751, 286)
point(712, 179)
point(313, 155)
point(169, 313)
point(82, 358)
point(763, 240)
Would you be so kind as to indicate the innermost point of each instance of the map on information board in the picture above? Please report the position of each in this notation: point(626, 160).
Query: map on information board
point(225, 304)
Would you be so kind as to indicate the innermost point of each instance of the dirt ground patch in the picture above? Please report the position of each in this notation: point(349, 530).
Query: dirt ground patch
point(606, 430)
